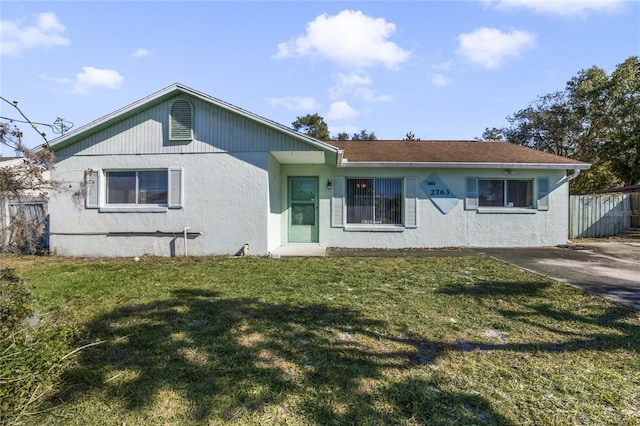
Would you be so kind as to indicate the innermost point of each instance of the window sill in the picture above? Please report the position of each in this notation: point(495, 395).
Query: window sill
point(374, 228)
point(133, 209)
point(507, 210)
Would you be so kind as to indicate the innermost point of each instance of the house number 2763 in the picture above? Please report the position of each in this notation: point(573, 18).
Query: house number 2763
point(439, 192)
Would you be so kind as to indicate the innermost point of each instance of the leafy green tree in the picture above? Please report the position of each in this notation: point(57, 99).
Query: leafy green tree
point(410, 136)
point(595, 119)
point(491, 134)
point(547, 124)
point(312, 125)
point(342, 136)
point(622, 148)
point(364, 136)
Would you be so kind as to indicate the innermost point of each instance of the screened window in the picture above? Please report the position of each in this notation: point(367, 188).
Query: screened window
point(505, 193)
point(137, 187)
point(374, 201)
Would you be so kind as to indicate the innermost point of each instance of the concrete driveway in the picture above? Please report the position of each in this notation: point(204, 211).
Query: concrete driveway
point(610, 269)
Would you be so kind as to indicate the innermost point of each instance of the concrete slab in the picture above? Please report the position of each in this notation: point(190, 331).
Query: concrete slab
point(299, 250)
point(611, 270)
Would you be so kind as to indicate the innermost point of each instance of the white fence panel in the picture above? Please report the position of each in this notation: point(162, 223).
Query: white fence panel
point(599, 215)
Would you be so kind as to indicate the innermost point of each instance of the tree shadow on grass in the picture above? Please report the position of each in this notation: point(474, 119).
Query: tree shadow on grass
point(227, 358)
point(611, 327)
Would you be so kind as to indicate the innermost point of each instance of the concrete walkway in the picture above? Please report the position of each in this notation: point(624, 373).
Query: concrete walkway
point(299, 250)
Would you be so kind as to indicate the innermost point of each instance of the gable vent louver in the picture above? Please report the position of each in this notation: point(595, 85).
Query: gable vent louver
point(181, 121)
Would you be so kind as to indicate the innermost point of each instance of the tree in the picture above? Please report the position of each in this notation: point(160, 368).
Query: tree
point(22, 179)
point(364, 136)
point(410, 136)
point(312, 125)
point(622, 148)
point(491, 134)
point(315, 126)
point(547, 124)
point(595, 119)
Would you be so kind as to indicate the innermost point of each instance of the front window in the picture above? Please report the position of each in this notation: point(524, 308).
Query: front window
point(137, 187)
point(505, 193)
point(374, 201)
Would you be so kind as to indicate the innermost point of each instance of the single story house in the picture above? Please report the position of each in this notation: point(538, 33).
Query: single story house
point(180, 172)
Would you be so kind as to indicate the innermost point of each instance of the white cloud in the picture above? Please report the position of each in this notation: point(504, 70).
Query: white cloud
point(347, 83)
point(564, 7)
point(445, 66)
point(350, 38)
point(47, 32)
point(356, 85)
point(349, 129)
point(57, 80)
point(295, 103)
point(140, 52)
point(490, 47)
point(94, 78)
point(340, 110)
point(441, 80)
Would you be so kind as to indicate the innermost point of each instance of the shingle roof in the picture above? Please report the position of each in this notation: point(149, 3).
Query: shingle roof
point(8, 158)
point(451, 153)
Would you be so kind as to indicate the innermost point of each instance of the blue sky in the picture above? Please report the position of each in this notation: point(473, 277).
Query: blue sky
point(440, 69)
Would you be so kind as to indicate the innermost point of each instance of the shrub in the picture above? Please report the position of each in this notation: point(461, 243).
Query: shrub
point(31, 360)
point(16, 302)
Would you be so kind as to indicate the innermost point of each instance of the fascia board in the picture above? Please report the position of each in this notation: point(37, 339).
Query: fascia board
point(445, 165)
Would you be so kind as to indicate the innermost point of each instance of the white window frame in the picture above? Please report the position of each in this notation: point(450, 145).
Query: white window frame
point(373, 196)
point(541, 188)
point(505, 192)
point(137, 202)
point(409, 213)
point(96, 188)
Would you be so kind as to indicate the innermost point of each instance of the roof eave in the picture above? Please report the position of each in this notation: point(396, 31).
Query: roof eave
point(467, 165)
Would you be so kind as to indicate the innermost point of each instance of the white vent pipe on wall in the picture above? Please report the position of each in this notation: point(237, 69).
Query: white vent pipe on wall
point(186, 251)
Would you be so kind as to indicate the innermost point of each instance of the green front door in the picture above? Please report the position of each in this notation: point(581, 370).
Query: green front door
point(303, 209)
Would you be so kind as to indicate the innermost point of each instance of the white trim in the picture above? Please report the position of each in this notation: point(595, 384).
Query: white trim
point(506, 210)
point(114, 208)
point(373, 228)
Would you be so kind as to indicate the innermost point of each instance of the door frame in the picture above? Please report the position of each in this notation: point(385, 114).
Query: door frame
point(315, 229)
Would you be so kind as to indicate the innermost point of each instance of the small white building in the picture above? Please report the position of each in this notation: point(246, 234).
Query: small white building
point(182, 172)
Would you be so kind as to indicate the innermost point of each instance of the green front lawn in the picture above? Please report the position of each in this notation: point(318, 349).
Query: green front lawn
point(429, 341)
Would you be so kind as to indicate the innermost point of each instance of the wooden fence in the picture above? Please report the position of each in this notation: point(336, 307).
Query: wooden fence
point(635, 209)
point(603, 215)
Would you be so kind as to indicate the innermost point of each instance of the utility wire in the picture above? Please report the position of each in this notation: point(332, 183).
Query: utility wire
point(60, 126)
point(15, 105)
